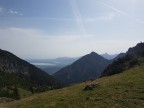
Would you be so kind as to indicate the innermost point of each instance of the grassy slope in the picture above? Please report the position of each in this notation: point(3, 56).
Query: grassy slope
point(125, 90)
point(24, 93)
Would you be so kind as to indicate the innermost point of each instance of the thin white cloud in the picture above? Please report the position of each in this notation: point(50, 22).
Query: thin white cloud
point(121, 12)
point(1, 9)
point(15, 12)
point(113, 8)
point(37, 43)
point(80, 22)
point(10, 11)
point(110, 16)
point(77, 16)
point(140, 21)
point(52, 18)
point(107, 17)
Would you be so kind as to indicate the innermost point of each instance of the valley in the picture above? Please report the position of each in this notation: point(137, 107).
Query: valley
point(71, 54)
point(116, 83)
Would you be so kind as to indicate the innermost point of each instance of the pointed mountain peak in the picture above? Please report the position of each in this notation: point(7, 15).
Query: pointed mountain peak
point(87, 67)
point(93, 53)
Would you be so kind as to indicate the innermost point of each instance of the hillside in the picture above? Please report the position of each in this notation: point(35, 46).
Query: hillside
point(17, 73)
point(137, 50)
point(131, 58)
point(119, 56)
point(88, 67)
point(125, 90)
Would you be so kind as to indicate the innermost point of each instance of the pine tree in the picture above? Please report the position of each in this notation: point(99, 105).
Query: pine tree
point(16, 93)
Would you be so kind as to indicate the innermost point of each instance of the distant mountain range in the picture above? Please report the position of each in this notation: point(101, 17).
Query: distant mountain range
point(119, 56)
point(87, 67)
point(109, 56)
point(93, 65)
point(51, 66)
point(56, 61)
point(17, 72)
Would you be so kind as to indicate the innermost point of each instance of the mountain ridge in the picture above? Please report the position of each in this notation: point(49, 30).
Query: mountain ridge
point(129, 59)
point(87, 67)
point(17, 72)
point(109, 56)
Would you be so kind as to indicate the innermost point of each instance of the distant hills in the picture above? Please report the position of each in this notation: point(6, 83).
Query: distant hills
point(55, 61)
point(93, 65)
point(109, 56)
point(121, 90)
point(87, 67)
point(119, 56)
point(130, 59)
point(51, 66)
point(15, 72)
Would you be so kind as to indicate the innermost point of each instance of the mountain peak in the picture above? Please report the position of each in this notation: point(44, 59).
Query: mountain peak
point(92, 53)
point(85, 68)
point(109, 56)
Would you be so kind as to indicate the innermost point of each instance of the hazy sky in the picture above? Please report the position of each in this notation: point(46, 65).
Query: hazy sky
point(55, 28)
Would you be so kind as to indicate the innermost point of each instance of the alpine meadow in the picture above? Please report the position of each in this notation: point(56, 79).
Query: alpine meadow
point(71, 54)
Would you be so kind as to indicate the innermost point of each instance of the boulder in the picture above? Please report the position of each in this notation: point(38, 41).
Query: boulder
point(90, 87)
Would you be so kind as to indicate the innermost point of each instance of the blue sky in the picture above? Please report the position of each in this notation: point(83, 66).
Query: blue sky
point(56, 28)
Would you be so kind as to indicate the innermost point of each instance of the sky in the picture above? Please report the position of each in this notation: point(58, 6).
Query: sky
point(42, 29)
